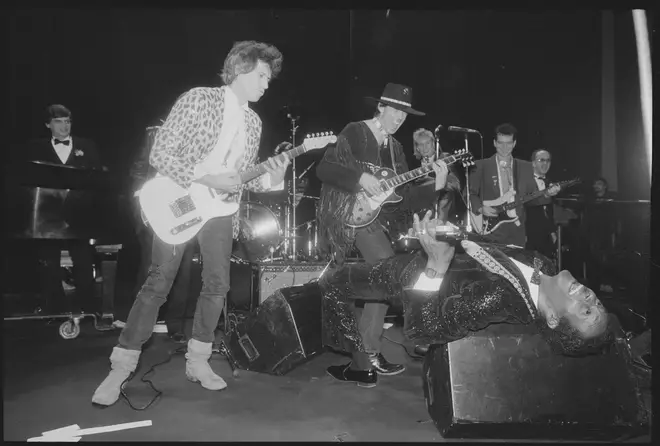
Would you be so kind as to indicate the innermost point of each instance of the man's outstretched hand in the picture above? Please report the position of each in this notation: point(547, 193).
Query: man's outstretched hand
point(439, 253)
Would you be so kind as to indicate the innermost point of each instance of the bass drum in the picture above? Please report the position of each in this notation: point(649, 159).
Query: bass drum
point(259, 235)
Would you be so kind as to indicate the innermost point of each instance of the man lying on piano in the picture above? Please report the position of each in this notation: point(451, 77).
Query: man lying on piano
point(444, 296)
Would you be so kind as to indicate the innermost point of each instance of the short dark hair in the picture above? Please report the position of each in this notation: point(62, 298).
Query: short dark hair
point(56, 111)
point(506, 129)
point(607, 185)
point(536, 152)
point(243, 58)
point(567, 340)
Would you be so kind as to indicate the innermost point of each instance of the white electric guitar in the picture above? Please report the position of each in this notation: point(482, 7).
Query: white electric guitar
point(177, 214)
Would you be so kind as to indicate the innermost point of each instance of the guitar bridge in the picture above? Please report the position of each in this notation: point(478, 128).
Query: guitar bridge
point(182, 227)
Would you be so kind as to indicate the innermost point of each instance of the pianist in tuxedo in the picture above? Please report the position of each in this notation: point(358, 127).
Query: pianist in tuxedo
point(444, 296)
point(540, 222)
point(63, 148)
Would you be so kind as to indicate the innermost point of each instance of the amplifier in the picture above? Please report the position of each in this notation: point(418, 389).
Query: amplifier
point(251, 284)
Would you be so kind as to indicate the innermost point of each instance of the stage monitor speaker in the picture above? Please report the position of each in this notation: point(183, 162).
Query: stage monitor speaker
point(506, 384)
point(282, 333)
point(251, 284)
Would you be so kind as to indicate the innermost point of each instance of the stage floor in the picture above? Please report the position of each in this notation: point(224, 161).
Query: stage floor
point(49, 383)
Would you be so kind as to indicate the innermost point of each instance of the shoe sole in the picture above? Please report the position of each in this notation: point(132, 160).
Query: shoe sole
point(390, 373)
point(359, 384)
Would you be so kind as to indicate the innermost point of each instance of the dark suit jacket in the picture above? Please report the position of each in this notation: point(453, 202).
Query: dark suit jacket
point(471, 297)
point(83, 154)
point(540, 223)
point(484, 185)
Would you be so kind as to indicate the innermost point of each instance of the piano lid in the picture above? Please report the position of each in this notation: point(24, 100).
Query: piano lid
point(59, 176)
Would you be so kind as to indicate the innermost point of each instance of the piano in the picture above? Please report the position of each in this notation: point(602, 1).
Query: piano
point(54, 202)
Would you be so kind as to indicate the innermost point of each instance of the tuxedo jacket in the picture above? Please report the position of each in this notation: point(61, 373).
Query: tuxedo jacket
point(83, 153)
point(540, 222)
point(477, 290)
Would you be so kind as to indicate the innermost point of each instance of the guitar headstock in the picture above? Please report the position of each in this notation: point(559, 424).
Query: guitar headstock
point(319, 140)
point(464, 157)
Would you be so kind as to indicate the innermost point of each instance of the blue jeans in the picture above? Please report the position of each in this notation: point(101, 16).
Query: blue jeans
point(215, 242)
point(374, 246)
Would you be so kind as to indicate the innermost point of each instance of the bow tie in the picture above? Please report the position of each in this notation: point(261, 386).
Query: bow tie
point(540, 178)
point(66, 143)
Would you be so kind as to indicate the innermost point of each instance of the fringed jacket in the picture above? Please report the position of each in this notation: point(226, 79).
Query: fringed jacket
point(355, 153)
point(191, 132)
point(479, 289)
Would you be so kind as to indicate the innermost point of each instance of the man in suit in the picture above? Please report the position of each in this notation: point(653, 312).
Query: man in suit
point(443, 296)
point(497, 176)
point(209, 137)
point(540, 222)
point(64, 149)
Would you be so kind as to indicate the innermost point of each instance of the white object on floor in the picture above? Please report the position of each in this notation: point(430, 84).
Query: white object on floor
point(73, 433)
point(160, 327)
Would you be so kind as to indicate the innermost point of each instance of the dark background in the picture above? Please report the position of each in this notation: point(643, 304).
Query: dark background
point(120, 70)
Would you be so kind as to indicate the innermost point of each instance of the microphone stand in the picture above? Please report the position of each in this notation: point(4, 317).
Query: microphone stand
point(437, 157)
point(468, 224)
point(291, 230)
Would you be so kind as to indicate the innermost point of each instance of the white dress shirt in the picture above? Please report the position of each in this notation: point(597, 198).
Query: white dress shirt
point(63, 151)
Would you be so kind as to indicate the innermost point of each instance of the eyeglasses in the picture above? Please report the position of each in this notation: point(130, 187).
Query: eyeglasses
point(543, 160)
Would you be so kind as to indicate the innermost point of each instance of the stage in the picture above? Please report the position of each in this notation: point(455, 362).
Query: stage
point(49, 382)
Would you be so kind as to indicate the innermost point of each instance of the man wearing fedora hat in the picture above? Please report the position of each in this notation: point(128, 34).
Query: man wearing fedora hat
point(347, 168)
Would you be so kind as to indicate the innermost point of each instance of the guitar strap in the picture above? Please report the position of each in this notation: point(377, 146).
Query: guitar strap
point(389, 141)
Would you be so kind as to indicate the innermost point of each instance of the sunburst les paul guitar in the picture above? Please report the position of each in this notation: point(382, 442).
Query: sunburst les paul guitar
point(508, 202)
point(177, 214)
point(367, 207)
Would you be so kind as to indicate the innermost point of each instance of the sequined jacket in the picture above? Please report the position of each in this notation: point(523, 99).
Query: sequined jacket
point(472, 295)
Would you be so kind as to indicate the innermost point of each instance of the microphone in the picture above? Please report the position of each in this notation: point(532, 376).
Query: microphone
point(452, 128)
point(437, 129)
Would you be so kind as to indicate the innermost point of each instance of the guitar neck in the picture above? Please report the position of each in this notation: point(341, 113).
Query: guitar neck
point(403, 178)
point(533, 195)
point(253, 172)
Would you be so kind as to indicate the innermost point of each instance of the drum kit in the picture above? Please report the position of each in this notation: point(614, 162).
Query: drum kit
point(267, 233)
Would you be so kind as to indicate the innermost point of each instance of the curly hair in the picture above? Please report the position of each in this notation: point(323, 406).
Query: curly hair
point(243, 58)
point(566, 340)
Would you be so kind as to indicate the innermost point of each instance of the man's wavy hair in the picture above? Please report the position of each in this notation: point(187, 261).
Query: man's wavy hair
point(56, 111)
point(243, 58)
point(568, 341)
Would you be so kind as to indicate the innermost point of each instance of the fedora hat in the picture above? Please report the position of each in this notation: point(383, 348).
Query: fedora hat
point(397, 96)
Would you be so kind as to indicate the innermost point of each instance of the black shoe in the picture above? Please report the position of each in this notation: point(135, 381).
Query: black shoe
point(421, 350)
point(384, 367)
point(363, 378)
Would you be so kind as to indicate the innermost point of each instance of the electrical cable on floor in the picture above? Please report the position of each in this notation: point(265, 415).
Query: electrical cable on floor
point(181, 349)
point(404, 347)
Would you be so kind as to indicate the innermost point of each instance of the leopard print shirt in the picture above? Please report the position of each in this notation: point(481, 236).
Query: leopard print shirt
point(191, 132)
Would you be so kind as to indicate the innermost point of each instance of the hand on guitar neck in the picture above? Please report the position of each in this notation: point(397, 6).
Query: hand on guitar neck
point(227, 182)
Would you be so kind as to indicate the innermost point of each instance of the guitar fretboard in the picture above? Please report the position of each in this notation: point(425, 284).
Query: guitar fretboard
point(538, 193)
point(253, 172)
point(412, 174)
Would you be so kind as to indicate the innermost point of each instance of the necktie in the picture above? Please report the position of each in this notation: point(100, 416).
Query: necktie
point(66, 143)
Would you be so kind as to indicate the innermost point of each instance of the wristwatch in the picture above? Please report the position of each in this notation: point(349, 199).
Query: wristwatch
point(433, 274)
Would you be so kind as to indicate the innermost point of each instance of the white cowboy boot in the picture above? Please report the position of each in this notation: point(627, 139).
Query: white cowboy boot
point(198, 368)
point(122, 362)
